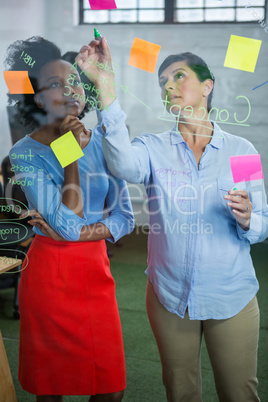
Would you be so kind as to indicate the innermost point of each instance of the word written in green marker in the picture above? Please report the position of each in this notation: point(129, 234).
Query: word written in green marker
point(27, 156)
point(17, 168)
point(15, 209)
point(27, 59)
point(72, 78)
point(6, 260)
point(103, 81)
point(101, 65)
point(25, 182)
point(190, 109)
point(89, 75)
point(85, 99)
point(11, 231)
point(24, 156)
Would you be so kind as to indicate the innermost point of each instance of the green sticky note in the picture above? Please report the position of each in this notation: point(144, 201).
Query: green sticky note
point(242, 53)
point(66, 149)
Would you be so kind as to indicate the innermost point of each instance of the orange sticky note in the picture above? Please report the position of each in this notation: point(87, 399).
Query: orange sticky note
point(144, 55)
point(18, 82)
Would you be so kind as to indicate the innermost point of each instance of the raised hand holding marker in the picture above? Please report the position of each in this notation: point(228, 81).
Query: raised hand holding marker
point(98, 37)
point(91, 59)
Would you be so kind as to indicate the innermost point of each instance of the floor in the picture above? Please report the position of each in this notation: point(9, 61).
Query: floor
point(144, 381)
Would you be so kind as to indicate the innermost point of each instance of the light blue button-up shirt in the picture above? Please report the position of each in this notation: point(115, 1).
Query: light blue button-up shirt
point(41, 177)
point(198, 256)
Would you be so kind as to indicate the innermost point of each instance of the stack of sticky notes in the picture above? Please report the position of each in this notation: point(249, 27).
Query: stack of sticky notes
point(66, 149)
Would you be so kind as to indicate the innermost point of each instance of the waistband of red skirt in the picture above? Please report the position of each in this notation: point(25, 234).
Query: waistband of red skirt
point(46, 239)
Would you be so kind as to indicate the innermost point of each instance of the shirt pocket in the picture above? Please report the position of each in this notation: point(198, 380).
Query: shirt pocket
point(223, 186)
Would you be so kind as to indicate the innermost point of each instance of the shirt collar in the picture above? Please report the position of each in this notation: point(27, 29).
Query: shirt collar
point(216, 141)
point(175, 136)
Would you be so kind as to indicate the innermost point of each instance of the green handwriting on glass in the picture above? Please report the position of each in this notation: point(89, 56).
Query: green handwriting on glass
point(26, 156)
point(7, 260)
point(13, 234)
point(17, 251)
point(219, 113)
point(13, 207)
point(90, 87)
point(101, 65)
point(26, 181)
point(86, 99)
point(27, 59)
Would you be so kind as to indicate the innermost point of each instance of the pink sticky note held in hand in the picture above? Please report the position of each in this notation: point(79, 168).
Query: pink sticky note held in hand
point(246, 167)
point(102, 4)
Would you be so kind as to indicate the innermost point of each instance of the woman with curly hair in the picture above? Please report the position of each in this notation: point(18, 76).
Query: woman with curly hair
point(70, 332)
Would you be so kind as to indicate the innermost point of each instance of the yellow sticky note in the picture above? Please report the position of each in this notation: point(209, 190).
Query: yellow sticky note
point(242, 53)
point(66, 149)
point(144, 55)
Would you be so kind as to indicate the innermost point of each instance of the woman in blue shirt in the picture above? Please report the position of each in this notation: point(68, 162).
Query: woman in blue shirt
point(201, 276)
point(70, 331)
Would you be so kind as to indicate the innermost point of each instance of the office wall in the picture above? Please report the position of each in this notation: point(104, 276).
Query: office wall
point(18, 20)
point(56, 21)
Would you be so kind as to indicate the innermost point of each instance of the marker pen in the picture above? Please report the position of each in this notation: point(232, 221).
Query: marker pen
point(234, 189)
point(98, 37)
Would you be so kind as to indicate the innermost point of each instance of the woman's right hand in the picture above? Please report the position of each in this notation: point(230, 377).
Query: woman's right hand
point(91, 60)
point(73, 124)
point(98, 67)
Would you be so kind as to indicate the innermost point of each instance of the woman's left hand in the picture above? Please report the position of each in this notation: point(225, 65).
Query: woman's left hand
point(42, 225)
point(241, 206)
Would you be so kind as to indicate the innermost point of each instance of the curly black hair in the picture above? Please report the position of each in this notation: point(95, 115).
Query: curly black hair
point(42, 52)
point(198, 65)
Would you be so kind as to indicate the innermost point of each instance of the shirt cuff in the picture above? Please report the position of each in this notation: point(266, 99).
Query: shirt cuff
point(69, 224)
point(118, 227)
point(110, 117)
point(114, 229)
point(254, 231)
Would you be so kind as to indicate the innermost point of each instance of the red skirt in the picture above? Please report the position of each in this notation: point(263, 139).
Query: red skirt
point(70, 332)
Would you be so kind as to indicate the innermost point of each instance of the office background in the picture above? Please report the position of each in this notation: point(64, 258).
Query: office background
point(58, 21)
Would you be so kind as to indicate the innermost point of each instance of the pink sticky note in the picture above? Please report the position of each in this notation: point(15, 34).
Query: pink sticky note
point(246, 167)
point(102, 4)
